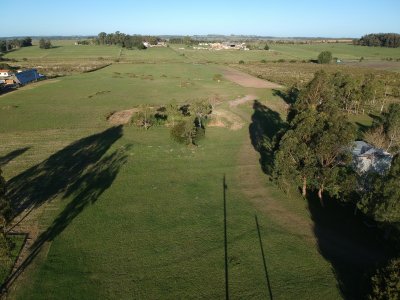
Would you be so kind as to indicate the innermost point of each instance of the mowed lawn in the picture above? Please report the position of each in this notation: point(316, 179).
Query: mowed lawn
point(127, 213)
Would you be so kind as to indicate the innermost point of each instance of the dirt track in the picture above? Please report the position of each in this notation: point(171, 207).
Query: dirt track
point(247, 80)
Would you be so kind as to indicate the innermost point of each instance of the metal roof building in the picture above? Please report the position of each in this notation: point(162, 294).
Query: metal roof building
point(27, 76)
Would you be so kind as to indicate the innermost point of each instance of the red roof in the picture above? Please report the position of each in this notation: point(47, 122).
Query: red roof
point(2, 71)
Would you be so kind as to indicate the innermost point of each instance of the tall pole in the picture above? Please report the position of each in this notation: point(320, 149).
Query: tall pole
point(225, 243)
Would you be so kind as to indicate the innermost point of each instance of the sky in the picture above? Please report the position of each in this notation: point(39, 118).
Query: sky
point(280, 18)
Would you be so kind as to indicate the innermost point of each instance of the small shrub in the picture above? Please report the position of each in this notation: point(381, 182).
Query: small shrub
point(325, 57)
point(263, 61)
point(217, 77)
point(281, 60)
point(241, 62)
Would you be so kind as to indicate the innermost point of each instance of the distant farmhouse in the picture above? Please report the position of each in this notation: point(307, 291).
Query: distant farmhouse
point(228, 46)
point(159, 44)
point(367, 158)
point(221, 46)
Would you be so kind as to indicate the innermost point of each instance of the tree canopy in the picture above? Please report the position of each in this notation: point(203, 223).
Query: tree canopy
point(125, 40)
point(312, 153)
point(382, 200)
point(391, 40)
point(44, 44)
point(7, 45)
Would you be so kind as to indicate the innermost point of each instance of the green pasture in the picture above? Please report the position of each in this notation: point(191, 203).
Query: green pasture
point(118, 87)
point(67, 51)
point(289, 52)
point(339, 50)
point(128, 213)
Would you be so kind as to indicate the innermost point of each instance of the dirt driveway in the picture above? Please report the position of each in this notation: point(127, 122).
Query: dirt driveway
point(247, 80)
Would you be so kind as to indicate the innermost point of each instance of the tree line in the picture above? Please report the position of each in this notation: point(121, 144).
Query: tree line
point(7, 45)
point(313, 154)
point(391, 40)
point(359, 94)
point(125, 40)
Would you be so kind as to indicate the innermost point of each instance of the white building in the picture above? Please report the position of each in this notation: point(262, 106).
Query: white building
point(366, 158)
point(5, 73)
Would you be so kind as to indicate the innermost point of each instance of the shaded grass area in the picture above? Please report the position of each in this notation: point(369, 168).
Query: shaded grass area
point(353, 249)
point(265, 130)
point(18, 242)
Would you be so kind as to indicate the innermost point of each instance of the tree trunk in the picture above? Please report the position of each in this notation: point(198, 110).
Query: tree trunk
point(320, 195)
point(304, 189)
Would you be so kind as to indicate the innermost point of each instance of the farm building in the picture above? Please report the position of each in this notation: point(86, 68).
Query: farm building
point(367, 158)
point(24, 77)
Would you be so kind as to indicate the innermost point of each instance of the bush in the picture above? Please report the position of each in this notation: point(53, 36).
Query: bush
point(217, 77)
point(325, 57)
point(241, 62)
point(263, 61)
point(266, 47)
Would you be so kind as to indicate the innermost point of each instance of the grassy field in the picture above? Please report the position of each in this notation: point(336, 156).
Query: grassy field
point(121, 212)
point(129, 213)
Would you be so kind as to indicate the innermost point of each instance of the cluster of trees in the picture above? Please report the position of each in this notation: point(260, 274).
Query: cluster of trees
point(185, 40)
point(125, 40)
point(188, 121)
point(310, 153)
point(7, 45)
point(313, 154)
point(391, 40)
point(385, 131)
point(358, 94)
point(83, 42)
point(44, 44)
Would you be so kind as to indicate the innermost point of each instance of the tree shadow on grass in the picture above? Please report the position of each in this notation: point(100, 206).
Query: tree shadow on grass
point(353, 249)
point(60, 172)
point(12, 155)
point(81, 171)
point(265, 131)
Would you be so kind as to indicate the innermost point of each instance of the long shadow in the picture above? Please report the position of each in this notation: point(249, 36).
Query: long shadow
point(60, 172)
point(263, 258)
point(265, 131)
point(81, 171)
point(353, 249)
point(12, 155)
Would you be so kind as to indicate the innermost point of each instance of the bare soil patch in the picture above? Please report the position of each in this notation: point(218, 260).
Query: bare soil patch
point(247, 80)
point(226, 119)
point(242, 100)
point(122, 117)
